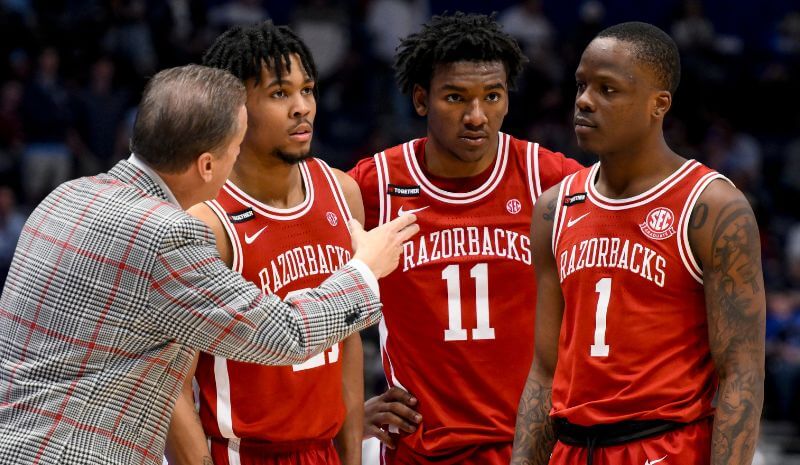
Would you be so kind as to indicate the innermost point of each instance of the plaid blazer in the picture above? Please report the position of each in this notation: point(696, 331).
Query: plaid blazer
point(110, 289)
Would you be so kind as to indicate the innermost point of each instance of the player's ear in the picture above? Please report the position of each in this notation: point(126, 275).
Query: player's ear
point(205, 166)
point(661, 104)
point(420, 98)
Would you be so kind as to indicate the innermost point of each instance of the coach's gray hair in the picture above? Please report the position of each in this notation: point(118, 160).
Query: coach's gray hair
point(185, 112)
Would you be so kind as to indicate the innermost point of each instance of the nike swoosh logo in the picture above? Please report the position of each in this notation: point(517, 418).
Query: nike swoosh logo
point(572, 221)
point(401, 212)
point(249, 239)
point(648, 462)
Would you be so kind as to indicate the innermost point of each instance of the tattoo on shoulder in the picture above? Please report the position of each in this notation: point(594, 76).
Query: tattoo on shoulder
point(735, 245)
point(699, 216)
point(551, 210)
point(207, 460)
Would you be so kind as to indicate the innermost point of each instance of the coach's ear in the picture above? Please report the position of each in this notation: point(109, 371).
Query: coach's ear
point(205, 166)
point(420, 98)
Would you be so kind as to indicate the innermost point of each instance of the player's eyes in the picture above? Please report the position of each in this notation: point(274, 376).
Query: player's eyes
point(453, 98)
point(493, 97)
point(278, 94)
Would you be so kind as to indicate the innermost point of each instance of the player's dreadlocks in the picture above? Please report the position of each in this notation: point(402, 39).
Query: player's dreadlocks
point(652, 47)
point(452, 38)
point(241, 50)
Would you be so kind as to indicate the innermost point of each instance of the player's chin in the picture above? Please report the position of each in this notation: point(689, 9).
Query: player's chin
point(588, 143)
point(295, 155)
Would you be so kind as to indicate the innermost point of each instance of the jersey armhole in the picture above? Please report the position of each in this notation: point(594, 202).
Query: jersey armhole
point(237, 262)
point(687, 256)
point(560, 212)
point(385, 201)
point(534, 181)
point(336, 190)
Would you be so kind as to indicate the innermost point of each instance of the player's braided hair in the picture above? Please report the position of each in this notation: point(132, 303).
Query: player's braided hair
point(652, 47)
point(452, 38)
point(241, 50)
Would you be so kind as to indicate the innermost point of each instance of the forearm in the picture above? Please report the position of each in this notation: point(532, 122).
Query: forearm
point(736, 421)
point(534, 438)
point(348, 440)
point(186, 441)
point(206, 306)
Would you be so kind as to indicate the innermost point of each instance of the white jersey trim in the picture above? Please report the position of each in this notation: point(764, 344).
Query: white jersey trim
point(383, 333)
point(237, 262)
point(688, 258)
point(336, 190)
point(534, 183)
point(500, 163)
point(560, 212)
point(384, 213)
point(233, 451)
point(278, 214)
point(224, 408)
point(641, 199)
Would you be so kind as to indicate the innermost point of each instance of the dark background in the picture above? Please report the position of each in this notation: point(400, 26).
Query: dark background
point(71, 73)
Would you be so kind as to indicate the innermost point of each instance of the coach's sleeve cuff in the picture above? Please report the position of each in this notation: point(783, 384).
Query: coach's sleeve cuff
point(367, 274)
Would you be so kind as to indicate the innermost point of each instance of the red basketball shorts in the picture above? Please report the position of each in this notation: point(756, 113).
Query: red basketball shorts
point(487, 454)
point(688, 445)
point(299, 453)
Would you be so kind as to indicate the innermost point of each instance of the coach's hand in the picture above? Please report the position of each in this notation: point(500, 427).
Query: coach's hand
point(391, 410)
point(380, 248)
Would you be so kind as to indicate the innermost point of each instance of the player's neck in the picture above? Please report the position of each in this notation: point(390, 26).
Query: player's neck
point(627, 174)
point(442, 163)
point(269, 180)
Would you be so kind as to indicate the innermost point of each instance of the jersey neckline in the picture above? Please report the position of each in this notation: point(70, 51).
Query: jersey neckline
point(640, 199)
point(274, 213)
point(418, 174)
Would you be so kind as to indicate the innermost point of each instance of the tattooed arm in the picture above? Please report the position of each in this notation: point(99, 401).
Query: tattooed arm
point(534, 438)
point(723, 234)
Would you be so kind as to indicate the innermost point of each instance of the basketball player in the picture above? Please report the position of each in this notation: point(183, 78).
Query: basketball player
point(457, 323)
point(651, 297)
point(280, 220)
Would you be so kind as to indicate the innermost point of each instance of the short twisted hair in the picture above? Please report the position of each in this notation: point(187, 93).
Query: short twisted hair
point(185, 112)
point(653, 48)
point(242, 50)
point(452, 38)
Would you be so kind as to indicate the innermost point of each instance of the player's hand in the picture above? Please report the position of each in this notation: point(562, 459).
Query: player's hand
point(380, 248)
point(390, 410)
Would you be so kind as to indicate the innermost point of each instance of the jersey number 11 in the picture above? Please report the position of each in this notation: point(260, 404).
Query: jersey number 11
point(480, 273)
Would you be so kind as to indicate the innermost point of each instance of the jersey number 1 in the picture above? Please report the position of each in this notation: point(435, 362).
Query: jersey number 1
point(480, 273)
point(600, 348)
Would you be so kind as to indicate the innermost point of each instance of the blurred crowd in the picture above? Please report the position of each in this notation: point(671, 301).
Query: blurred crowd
point(71, 72)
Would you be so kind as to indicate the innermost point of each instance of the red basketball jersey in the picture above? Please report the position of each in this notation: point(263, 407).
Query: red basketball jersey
point(280, 250)
point(634, 335)
point(458, 315)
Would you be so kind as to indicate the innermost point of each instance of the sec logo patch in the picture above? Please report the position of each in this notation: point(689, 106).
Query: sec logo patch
point(659, 224)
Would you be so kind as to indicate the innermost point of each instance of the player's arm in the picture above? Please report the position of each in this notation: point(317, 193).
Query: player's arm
point(186, 441)
point(724, 236)
point(348, 440)
point(534, 438)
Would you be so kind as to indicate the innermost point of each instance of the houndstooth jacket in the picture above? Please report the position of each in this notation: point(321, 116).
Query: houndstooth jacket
point(110, 289)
